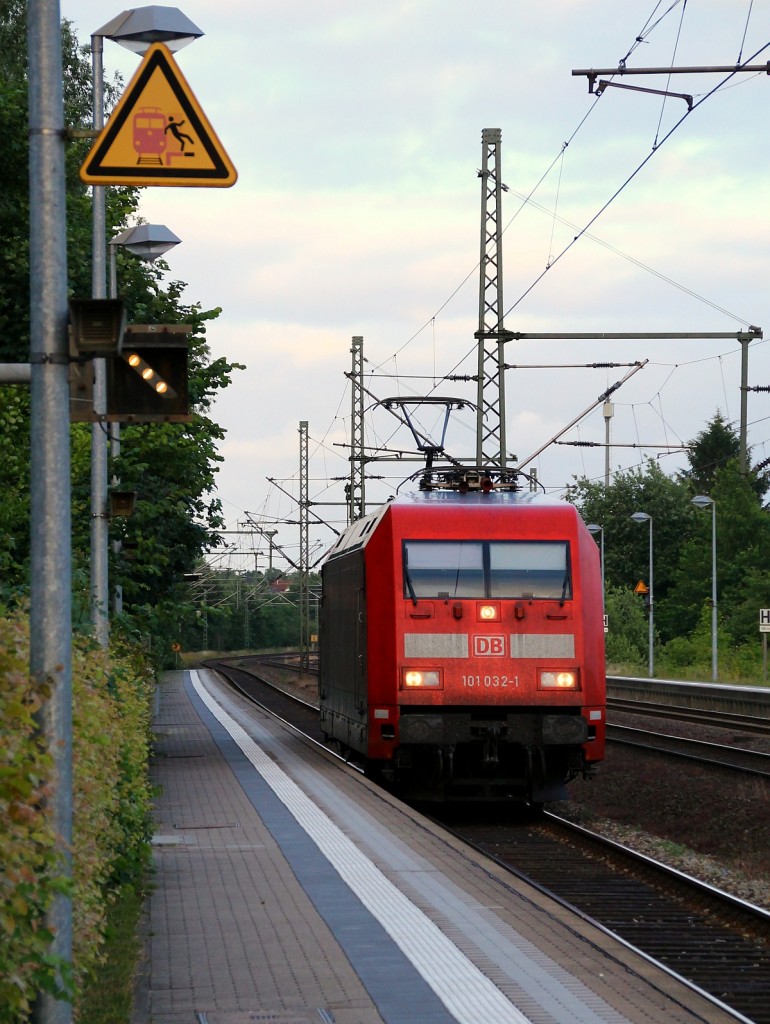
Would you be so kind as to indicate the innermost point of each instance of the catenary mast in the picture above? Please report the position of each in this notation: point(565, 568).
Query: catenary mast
point(491, 335)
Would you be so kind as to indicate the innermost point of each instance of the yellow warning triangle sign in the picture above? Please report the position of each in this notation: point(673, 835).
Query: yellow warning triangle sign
point(641, 588)
point(158, 134)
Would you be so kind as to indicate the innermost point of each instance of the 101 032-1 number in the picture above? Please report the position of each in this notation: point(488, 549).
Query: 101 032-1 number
point(490, 681)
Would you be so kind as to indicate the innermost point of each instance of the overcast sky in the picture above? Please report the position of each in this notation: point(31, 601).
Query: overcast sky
point(355, 128)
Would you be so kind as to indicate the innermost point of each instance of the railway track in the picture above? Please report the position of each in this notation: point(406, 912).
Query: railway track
point(696, 716)
point(704, 752)
point(717, 943)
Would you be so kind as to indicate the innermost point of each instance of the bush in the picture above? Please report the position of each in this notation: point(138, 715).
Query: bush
point(111, 805)
point(628, 636)
point(29, 869)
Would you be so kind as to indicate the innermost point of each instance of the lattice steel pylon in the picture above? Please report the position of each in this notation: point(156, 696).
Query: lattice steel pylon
point(491, 335)
point(357, 484)
point(304, 551)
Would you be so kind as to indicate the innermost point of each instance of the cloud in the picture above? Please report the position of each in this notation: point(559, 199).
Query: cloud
point(356, 130)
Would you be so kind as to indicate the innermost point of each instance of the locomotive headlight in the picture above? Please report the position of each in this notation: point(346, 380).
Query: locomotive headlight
point(420, 679)
point(566, 679)
point(489, 613)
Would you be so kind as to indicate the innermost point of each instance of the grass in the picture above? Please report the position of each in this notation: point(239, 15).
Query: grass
point(191, 659)
point(108, 992)
point(727, 675)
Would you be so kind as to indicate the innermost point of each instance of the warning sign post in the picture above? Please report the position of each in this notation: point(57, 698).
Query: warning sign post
point(158, 134)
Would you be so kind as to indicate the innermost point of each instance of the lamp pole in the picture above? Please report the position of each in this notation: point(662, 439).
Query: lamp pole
point(136, 29)
point(642, 517)
point(147, 242)
point(703, 501)
point(99, 518)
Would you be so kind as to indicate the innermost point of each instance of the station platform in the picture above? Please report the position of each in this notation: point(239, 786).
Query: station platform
point(288, 889)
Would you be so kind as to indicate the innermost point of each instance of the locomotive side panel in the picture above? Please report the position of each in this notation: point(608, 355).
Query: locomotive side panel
point(383, 575)
point(343, 662)
point(592, 629)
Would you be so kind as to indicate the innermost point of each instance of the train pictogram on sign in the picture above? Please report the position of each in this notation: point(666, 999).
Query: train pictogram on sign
point(158, 134)
point(149, 130)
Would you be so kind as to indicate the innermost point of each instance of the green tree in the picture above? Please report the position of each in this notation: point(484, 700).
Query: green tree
point(711, 450)
point(14, 489)
point(743, 571)
point(171, 466)
point(627, 638)
point(626, 542)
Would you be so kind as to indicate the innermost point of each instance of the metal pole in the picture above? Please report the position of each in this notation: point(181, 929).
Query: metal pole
point(491, 449)
point(50, 512)
point(357, 484)
point(714, 635)
point(117, 592)
point(304, 553)
point(652, 614)
point(744, 340)
point(608, 411)
point(99, 464)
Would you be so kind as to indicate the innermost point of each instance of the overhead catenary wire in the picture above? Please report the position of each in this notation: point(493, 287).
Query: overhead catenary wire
point(745, 30)
point(583, 231)
point(668, 80)
point(438, 380)
point(621, 188)
point(648, 29)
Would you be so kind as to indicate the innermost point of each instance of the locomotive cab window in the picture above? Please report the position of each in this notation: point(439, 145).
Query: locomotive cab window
point(444, 569)
point(487, 569)
point(524, 568)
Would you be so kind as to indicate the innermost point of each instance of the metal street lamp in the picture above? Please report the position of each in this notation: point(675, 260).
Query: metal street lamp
point(139, 27)
point(642, 517)
point(595, 528)
point(703, 501)
point(136, 29)
point(147, 242)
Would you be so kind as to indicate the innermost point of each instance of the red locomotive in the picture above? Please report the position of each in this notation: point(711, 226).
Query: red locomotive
point(462, 645)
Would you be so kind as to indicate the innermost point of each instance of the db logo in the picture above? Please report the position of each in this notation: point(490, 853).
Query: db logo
point(489, 646)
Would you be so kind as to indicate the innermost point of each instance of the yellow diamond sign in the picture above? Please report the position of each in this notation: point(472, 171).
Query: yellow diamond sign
point(158, 134)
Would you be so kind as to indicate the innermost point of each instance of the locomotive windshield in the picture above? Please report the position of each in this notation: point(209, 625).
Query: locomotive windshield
point(487, 569)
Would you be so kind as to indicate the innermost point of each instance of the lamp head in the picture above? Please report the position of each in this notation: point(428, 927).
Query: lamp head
point(147, 241)
point(702, 500)
point(138, 28)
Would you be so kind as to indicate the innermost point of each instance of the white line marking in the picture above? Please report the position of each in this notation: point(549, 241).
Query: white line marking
point(466, 992)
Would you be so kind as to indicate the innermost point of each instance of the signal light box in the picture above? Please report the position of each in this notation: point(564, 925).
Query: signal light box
point(147, 382)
